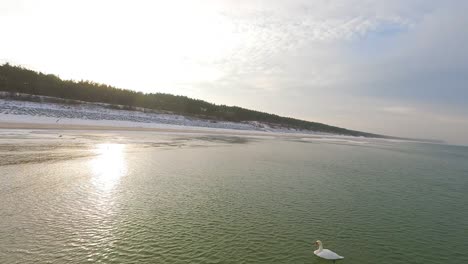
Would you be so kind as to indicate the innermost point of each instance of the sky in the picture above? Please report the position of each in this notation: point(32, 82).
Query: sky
point(395, 67)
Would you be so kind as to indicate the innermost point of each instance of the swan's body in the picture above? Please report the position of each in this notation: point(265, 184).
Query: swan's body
point(325, 253)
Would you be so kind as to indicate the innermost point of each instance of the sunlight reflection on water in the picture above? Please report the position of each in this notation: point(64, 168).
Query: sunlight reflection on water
point(109, 165)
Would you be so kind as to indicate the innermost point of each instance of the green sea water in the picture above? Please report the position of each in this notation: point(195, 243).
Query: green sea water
point(191, 198)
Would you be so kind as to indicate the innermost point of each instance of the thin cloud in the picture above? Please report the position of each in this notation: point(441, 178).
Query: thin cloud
point(398, 110)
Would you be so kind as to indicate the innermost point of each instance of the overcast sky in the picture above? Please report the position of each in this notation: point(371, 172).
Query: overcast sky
point(395, 67)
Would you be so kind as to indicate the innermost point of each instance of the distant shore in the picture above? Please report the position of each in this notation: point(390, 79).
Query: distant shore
point(16, 114)
point(12, 122)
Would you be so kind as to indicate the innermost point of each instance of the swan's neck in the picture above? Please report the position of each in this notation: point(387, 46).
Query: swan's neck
point(320, 247)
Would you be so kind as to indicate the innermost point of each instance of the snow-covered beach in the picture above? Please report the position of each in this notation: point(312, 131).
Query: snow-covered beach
point(78, 115)
point(27, 114)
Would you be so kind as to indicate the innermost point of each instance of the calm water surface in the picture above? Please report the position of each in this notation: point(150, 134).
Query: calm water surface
point(191, 198)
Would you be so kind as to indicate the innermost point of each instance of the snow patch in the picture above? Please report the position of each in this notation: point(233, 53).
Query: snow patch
point(99, 114)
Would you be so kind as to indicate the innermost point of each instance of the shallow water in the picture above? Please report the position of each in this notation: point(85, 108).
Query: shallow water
point(72, 197)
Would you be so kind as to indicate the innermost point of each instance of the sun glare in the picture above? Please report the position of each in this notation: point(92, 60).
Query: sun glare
point(108, 166)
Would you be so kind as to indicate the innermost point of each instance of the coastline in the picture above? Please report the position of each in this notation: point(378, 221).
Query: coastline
point(182, 129)
point(24, 122)
point(91, 116)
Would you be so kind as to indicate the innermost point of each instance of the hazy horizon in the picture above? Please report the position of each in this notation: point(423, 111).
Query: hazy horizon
point(397, 68)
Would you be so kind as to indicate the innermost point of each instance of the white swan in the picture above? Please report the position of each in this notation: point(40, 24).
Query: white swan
point(325, 253)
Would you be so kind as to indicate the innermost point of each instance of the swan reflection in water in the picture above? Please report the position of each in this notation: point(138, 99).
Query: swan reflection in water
point(109, 165)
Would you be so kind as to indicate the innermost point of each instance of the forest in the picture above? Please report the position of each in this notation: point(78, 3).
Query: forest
point(17, 79)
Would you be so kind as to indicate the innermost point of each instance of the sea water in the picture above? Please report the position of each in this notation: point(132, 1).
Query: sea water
point(115, 197)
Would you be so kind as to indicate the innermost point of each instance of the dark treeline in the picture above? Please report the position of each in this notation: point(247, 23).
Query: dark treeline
point(21, 80)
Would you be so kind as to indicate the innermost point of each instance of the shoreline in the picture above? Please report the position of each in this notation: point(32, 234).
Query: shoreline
point(171, 129)
point(45, 126)
point(29, 122)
